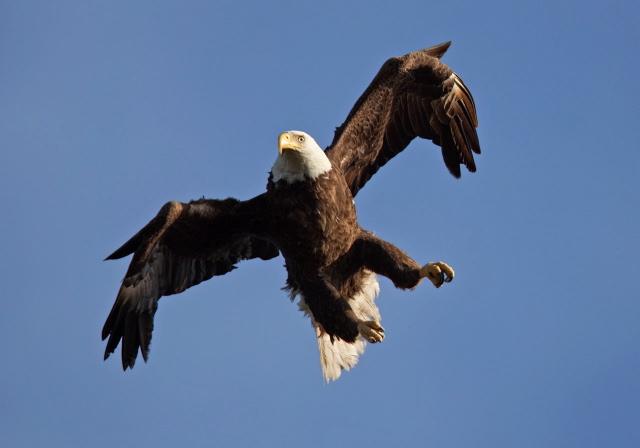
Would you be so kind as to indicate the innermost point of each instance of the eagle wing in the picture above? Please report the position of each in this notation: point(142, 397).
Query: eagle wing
point(412, 96)
point(185, 244)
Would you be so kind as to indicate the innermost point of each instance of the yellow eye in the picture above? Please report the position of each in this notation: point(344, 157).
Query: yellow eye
point(301, 139)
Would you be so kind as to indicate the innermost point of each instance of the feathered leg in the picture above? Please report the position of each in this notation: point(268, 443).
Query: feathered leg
point(341, 326)
point(328, 307)
point(386, 259)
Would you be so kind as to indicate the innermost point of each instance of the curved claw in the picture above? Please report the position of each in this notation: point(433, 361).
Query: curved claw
point(371, 330)
point(438, 272)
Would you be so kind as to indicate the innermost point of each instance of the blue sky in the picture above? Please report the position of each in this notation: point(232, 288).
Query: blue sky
point(110, 109)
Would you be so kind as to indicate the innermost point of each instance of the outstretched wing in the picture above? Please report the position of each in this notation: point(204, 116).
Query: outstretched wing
point(412, 96)
point(185, 244)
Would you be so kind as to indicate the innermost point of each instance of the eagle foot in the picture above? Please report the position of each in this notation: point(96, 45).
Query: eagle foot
point(438, 272)
point(371, 330)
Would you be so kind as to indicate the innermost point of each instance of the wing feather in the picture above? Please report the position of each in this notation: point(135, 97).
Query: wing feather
point(184, 245)
point(412, 96)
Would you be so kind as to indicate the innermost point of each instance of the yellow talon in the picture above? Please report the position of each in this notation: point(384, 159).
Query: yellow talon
point(438, 272)
point(371, 330)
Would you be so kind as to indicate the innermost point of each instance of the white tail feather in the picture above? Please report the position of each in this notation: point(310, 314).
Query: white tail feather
point(340, 355)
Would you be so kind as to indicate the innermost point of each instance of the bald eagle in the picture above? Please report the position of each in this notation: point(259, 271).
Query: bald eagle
point(307, 215)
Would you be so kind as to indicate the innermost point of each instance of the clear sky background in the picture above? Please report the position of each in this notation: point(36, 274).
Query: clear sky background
point(110, 109)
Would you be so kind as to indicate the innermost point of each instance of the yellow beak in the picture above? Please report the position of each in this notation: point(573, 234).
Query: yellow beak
point(284, 142)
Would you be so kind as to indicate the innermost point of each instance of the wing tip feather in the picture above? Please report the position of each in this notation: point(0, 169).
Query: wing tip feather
point(437, 51)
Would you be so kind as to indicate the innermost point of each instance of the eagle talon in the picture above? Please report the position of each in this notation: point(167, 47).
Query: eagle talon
point(371, 330)
point(438, 272)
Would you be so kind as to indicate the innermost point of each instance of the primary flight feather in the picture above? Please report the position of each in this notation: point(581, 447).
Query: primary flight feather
point(307, 215)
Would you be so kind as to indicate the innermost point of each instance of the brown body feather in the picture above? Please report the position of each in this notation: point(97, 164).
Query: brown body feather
point(314, 224)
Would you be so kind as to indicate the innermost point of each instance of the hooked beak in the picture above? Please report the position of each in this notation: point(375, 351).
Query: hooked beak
point(284, 142)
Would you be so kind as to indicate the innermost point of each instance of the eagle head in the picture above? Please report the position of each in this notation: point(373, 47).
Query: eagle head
point(300, 158)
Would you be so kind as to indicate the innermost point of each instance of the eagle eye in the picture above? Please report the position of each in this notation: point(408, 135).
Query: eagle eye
point(301, 139)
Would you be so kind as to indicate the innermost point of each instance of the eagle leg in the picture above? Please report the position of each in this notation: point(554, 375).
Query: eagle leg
point(326, 305)
point(386, 259)
point(371, 330)
point(438, 272)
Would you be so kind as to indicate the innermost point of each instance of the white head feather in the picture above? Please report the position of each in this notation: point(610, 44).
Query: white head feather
point(300, 158)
